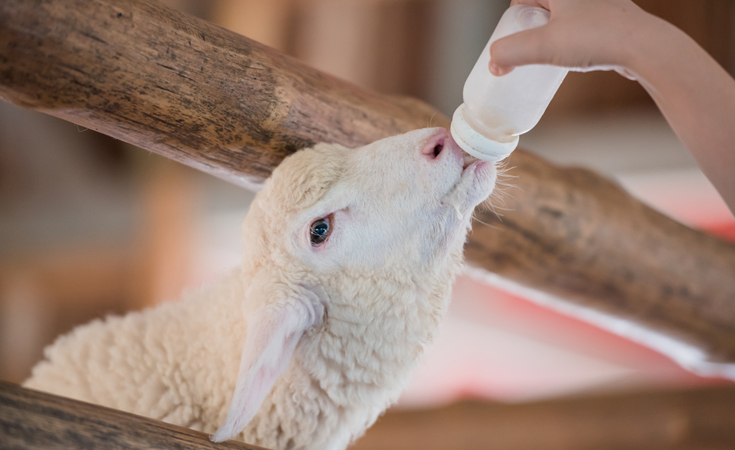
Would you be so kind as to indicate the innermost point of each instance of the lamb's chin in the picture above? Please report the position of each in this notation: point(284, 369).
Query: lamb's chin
point(485, 175)
point(474, 186)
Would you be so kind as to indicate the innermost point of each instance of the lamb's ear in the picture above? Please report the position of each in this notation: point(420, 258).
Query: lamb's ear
point(272, 334)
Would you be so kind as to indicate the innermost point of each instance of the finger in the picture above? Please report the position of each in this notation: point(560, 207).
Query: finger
point(525, 47)
point(497, 71)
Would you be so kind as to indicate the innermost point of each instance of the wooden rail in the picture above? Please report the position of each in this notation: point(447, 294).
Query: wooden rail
point(32, 420)
point(702, 418)
point(219, 102)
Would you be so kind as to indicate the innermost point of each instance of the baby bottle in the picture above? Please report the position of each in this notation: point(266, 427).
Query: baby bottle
point(496, 110)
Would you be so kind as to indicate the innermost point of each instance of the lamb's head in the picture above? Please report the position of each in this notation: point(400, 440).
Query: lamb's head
point(398, 205)
point(340, 235)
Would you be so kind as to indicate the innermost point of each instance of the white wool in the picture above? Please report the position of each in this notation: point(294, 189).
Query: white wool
point(304, 346)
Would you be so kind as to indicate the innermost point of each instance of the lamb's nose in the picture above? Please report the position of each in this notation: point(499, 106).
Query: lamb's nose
point(435, 145)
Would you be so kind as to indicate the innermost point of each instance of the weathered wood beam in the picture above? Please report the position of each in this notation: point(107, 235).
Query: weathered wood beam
point(219, 102)
point(32, 420)
point(699, 418)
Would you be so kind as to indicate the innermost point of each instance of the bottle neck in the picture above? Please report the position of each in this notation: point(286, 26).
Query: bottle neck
point(493, 148)
point(493, 131)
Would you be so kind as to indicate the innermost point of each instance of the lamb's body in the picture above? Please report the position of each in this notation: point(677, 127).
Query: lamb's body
point(179, 362)
point(168, 369)
point(159, 362)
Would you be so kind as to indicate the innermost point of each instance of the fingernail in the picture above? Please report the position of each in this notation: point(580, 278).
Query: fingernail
point(495, 70)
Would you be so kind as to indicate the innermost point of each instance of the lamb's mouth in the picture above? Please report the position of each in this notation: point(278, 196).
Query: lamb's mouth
point(458, 197)
point(467, 159)
point(466, 193)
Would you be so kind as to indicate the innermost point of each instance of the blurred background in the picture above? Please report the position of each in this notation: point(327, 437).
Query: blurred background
point(90, 226)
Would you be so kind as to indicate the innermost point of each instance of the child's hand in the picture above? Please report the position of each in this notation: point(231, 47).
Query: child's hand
point(581, 34)
point(693, 92)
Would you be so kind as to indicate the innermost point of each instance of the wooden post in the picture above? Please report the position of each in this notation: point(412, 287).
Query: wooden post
point(33, 420)
point(224, 104)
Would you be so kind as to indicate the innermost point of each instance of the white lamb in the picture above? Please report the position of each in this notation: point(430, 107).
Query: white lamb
point(349, 258)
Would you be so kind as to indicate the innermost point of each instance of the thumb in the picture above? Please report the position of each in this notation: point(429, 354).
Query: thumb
point(525, 47)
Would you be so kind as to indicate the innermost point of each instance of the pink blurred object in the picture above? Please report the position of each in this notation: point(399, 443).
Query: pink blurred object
point(498, 346)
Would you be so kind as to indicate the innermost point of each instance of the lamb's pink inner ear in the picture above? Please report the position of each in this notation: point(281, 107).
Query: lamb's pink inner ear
point(272, 334)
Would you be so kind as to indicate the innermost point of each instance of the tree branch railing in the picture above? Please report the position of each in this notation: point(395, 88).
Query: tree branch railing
point(234, 108)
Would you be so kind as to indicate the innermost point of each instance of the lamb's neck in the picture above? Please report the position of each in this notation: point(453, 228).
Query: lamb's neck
point(371, 343)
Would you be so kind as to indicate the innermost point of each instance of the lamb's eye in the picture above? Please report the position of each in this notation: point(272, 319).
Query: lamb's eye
point(320, 231)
